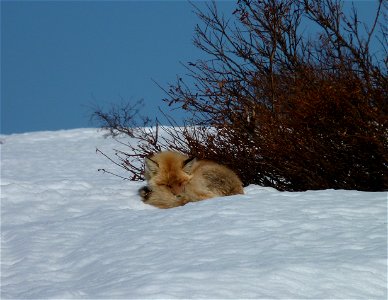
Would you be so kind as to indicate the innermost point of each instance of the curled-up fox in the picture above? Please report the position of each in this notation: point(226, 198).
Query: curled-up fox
point(175, 179)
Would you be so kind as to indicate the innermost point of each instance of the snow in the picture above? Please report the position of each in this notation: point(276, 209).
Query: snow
point(70, 232)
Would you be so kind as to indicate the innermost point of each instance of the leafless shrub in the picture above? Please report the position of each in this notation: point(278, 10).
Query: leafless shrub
point(281, 107)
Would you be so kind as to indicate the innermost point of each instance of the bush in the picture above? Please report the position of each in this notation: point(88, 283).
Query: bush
point(280, 107)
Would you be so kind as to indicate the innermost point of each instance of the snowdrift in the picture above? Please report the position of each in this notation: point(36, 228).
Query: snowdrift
point(68, 231)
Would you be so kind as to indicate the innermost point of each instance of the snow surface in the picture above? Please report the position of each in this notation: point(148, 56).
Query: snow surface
point(68, 231)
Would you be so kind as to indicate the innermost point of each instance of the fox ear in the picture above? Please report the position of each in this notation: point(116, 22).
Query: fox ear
point(188, 164)
point(151, 167)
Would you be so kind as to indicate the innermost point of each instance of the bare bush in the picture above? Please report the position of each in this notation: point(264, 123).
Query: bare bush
point(281, 107)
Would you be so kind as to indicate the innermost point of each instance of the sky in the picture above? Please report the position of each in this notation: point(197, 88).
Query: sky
point(59, 59)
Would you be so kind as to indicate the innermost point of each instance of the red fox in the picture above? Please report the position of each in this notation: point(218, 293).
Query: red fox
point(175, 179)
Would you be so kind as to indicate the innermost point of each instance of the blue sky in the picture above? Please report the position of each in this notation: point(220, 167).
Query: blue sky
point(60, 58)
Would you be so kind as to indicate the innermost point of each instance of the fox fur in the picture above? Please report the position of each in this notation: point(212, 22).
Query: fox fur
point(175, 179)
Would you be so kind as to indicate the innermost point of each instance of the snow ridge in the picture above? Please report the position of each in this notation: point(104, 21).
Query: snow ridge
point(70, 232)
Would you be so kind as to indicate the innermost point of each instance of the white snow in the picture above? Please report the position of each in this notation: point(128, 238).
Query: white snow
point(68, 231)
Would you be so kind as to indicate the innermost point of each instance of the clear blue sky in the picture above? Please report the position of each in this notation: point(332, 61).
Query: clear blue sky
point(59, 58)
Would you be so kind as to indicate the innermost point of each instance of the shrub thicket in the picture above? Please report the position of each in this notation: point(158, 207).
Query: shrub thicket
point(282, 106)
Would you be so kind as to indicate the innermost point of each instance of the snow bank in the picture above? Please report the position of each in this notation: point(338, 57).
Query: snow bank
point(68, 231)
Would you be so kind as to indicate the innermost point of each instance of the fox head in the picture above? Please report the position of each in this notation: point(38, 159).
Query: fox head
point(170, 170)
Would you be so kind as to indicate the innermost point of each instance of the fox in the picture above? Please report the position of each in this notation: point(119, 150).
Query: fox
point(175, 179)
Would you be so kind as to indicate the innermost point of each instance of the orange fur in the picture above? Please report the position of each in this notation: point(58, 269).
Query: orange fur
point(174, 180)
